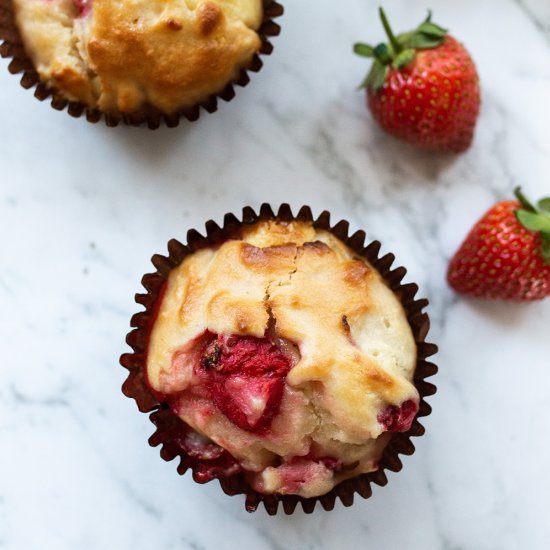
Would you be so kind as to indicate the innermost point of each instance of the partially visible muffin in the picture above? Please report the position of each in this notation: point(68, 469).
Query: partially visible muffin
point(124, 56)
point(287, 355)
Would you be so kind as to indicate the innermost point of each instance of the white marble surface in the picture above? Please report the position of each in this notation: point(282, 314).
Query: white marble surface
point(83, 207)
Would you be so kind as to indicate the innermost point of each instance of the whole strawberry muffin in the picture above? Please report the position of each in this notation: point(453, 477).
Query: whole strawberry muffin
point(281, 356)
point(134, 56)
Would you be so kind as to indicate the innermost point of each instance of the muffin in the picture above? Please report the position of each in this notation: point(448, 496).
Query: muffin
point(281, 360)
point(142, 59)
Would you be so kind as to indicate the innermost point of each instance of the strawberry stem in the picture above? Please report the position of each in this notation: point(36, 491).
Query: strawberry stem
point(524, 200)
point(397, 48)
point(536, 220)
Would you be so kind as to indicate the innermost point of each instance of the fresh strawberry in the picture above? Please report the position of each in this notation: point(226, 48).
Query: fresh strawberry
point(423, 87)
point(507, 254)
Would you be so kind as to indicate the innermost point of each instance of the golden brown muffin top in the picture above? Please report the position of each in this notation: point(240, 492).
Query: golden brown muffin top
point(121, 55)
point(356, 352)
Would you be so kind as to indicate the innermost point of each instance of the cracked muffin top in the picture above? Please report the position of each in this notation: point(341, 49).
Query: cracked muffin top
point(288, 351)
point(122, 56)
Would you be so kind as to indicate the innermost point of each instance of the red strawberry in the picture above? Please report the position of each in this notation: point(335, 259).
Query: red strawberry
point(507, 254)
point(423, 87)
point(83, 6)
point(245, 377)
point(398, 419)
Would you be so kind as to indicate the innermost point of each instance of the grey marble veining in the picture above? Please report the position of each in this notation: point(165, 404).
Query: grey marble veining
point(83, 207)
point(539, 13)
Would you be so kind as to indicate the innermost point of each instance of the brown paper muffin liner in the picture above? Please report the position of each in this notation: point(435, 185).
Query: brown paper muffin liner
point(171, 429)
point(11, 46)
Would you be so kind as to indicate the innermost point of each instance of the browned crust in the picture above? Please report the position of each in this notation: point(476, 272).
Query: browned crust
point(209, 15)
point(173, 24)
point(269, 257)
point(165, 420)
point(72, 81)
point(11, 46)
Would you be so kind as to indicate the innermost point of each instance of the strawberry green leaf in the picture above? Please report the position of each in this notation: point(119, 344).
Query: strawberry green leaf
point(404, 38)
point(404, 58)
point(533, 221)
point(544, 205)
point(524, 200)
point(424, 42)
point(363, 49)
point(396, 46)
point(382, 53)
point(363, 84)
point(377, 76)
point(400, 50)
point(545, 248)
point(432, 30)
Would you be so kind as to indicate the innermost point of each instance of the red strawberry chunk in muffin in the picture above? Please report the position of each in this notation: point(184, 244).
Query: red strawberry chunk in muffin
point(251, 395)
point(83, 6)
point(207, 459)
point(398, 419)
point(197, 446)
point(300, 471)
point(245, 377)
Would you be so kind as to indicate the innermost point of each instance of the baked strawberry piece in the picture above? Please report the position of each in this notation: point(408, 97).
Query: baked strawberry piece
point(83, 6)
point(506, 256)
point(298, 472)
point(245, 377)
point(398, 418)
point(208, 460)
point(288, 355)
point(423, 87)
